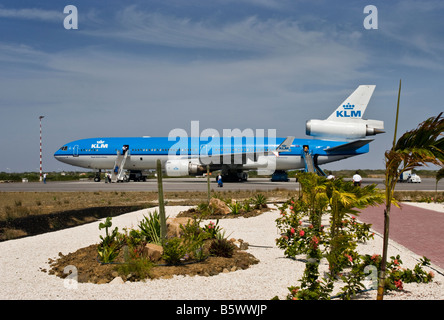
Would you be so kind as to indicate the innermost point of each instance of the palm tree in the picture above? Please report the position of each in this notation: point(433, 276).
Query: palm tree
point(417, 147)
point(344, 199)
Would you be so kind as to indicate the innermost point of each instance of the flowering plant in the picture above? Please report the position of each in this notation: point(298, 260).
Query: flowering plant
point(303, 233)
point(397, 275)
point(212, 229)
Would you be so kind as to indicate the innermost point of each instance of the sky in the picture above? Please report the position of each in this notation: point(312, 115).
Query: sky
point(144, 68)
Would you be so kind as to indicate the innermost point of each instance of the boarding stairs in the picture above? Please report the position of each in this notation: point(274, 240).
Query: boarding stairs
point(118, 173)
point(308, 160)
point(311, 164)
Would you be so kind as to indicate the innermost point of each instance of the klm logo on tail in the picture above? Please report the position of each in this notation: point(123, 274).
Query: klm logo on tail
point(348, 112)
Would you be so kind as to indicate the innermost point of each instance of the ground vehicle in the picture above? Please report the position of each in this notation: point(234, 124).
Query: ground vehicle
point(408, 176)
point(137, 175)
point(280, 175)
point(414, 178)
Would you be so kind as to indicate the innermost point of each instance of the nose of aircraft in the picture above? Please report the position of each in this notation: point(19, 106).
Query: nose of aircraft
point(62, 154)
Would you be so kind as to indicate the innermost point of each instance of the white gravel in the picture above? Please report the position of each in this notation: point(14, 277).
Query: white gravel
point(21, 262)
point(439, 207)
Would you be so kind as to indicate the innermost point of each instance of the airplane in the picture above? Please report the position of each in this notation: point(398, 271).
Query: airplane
point(342, 135)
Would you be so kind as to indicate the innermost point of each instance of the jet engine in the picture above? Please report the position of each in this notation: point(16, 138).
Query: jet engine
point(358, 129)
point(178, 168)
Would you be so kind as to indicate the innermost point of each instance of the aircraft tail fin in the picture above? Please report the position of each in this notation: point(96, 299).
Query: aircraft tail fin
point(354, 106)
point(346, 122)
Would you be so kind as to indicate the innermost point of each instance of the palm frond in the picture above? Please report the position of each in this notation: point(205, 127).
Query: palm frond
point(419, 146)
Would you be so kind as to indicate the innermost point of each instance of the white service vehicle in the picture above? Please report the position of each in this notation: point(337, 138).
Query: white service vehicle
point(414, 178)
point(408, 176)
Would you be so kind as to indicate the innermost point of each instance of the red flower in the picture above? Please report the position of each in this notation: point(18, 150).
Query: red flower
point(292, 231)
point(398, 284)
point(315, 240)
point(301, 233)
point(375, 257)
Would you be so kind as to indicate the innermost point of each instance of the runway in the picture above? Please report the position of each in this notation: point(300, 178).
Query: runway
point(189, 184)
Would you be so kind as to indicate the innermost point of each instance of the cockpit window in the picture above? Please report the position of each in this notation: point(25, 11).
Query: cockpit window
point(64, 148)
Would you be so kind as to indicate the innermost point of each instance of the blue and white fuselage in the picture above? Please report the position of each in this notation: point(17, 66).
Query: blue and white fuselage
point(100, 153)
point(342, 135)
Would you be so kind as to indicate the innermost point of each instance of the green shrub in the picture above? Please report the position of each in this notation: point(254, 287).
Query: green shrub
point(235, 207)
point(109, 248)
point(173, 251)
point(193, 239)
point(150, 228)
point(260, 201)
point(139, 268)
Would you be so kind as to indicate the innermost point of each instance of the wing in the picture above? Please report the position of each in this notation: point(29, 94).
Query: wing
point(349, 147)
point(242, 157)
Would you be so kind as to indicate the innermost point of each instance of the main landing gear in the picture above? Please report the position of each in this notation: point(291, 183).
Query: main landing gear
point(97, 177)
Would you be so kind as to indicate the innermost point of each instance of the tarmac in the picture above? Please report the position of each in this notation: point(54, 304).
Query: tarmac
point(418, 229)
point(190, 184)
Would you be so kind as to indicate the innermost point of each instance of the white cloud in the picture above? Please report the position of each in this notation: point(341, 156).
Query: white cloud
point(414, 29)
point(32, 14)
point(248, 34)
point(20, 53)
point(270, 4)
point(282, 60)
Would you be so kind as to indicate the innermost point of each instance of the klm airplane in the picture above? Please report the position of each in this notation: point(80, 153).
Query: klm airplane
point(342, 135)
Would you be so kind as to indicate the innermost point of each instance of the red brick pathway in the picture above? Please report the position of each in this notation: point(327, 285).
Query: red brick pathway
point(419, 230)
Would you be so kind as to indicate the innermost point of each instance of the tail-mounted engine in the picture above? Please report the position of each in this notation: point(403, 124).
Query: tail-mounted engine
point(356, 129)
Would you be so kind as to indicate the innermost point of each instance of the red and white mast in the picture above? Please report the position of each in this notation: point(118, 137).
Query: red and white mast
point(41, 168)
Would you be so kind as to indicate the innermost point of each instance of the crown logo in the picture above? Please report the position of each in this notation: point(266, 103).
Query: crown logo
point(101, 141)
point(348, 106)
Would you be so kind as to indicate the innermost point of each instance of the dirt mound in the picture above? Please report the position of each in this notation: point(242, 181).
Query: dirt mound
point(89, 269)
point(194, 212)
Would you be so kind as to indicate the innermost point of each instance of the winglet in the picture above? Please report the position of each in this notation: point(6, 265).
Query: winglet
point(285, 146)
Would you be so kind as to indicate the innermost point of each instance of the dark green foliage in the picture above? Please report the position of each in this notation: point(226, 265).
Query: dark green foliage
point(222, 248)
